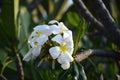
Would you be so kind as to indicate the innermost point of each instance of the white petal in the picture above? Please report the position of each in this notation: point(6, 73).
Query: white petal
point(70, 44)
point(55, 29)
point(54, 52)
point(28, 56)
point(36, 51)
point(39, 40)
point(68, 39)
point(44, 29)
point(65, 65)
point(41, 27)
point(58, 38)
point(53, 22)
point(31, 36)
point(65, 57)
point(70, 51)
point(62, 26)
point(42, 39)
point(70, 57)
point(67, 34)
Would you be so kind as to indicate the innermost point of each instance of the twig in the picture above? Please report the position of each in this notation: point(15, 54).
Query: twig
point(18, 63)
point(19, 67)
point(3, 78)
point(83, 55)
point(84, 12)
point(97, 52)
point(106, 19)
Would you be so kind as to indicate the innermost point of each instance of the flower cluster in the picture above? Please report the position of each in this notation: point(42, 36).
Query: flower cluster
point(62, 36)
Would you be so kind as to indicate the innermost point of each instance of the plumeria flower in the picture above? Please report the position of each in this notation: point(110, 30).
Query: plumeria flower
point(59, 28)
point(38, 37)
point(63, 52)
point(32, 53)
point(62, 35)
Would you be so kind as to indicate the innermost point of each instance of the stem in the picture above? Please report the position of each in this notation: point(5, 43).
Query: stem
point(5, 63)
point(97, 52)
point(18, 63)
point(2, 77)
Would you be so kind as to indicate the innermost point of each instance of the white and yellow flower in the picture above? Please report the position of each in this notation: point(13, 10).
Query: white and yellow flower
point(63, 36)
point(38, 37)
point(63, 52)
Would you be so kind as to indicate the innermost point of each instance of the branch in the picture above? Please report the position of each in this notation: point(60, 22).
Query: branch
point(19, 67)
point(97, 52)
point(3, 78)
point(107, 20)
point(84, 12)
point(18, 63)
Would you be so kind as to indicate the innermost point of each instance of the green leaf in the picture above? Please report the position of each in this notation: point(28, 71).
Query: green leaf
point(73, 18)
point(75, 71)
point(7, 61)
point(3, 60)
point(22, 29)
point(7, 28)
point(80, 32)
point(46, 75)
point(8, 17)
point(3, 55)
point(82, 75)
point(23, 24)
point(79, 73)
point(12, 66)
point(63, 75)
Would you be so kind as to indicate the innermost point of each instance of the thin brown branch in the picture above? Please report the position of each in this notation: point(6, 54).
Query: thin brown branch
point(84, 12)
point(19, 67)
point(83, 55)
point(18, 63)
point(3, 78)
point(97, 52)
point(106, 19)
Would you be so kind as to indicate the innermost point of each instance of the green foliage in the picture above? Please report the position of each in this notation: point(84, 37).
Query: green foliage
point(16, 23)
point(80, 32)
point(79, 70)
point(73, 19)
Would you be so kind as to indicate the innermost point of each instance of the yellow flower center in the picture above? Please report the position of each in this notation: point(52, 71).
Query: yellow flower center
point(63, 47)
point(37, 34)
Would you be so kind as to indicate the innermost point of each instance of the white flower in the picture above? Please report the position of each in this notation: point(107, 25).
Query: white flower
point(63, 52)
point(63, 36)
point(59, 28)
point(38, 37)
point(32, 53)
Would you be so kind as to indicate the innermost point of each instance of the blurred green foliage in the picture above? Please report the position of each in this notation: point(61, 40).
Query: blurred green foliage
point(18, 17)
